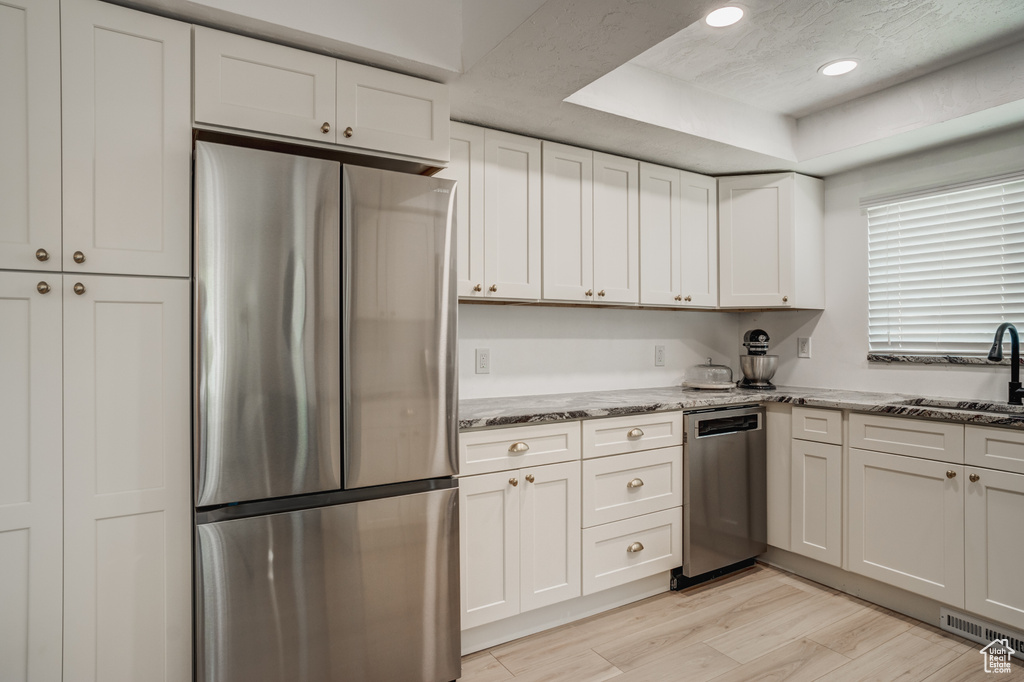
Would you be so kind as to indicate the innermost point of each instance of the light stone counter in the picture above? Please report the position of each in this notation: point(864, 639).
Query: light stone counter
point(480, 413)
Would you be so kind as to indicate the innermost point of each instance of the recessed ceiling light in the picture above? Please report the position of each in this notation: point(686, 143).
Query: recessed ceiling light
point(724, 16)
point(838, 67)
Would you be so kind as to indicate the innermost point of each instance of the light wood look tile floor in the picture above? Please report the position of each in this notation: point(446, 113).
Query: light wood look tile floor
point(760, 624)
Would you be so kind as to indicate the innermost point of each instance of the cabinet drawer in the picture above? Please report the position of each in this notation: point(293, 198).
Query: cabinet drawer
point(821, 426)
point(482, 452)
point(619, 435)
point(608, 561)
point(995, 448)
point(616, 488)
point(917, 438)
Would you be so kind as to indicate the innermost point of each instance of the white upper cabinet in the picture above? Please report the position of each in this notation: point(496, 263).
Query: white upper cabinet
point(512, 213)
point(30, 217)
point(30, 475)
point(467, 169)
point(389, 112)
point(252, 85)
point(591, 226)
point(127, 141)
point(127, 464)
point(678, 238)
point(771, 236)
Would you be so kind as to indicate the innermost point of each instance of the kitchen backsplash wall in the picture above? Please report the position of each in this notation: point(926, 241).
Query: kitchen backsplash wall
point(839, 333)
point(537, 350)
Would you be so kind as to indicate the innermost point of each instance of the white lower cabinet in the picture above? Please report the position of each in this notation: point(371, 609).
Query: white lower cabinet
point(906, 523)
point(993, 511)
point(520, 541)
point(30, 477)
point(816, 511)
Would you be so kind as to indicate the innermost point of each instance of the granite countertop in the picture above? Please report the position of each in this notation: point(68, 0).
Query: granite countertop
point(477, 413)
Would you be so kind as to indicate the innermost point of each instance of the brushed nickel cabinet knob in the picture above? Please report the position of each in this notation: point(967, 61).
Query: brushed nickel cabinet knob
point(588, 292)
point(601, 293)
point(493, 288)
point(78, 257)
point(79, 288)
point(325, 128)
point(635, 547)
point(513, 482)
point(974, 478)
point(43, 288)
point(42, 255)
point(950, 474)
point(679, 297)
point(478, 288)
point(688, 299)
point(529, 478)
point(347, 132)
point(785, 299)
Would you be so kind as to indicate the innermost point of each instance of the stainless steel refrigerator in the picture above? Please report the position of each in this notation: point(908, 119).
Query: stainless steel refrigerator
point(326, 512)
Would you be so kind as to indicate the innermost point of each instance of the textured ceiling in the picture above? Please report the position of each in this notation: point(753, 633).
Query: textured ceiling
point(770, 59)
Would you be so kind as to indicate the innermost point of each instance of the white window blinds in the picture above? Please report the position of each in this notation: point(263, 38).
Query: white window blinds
point(945, 270)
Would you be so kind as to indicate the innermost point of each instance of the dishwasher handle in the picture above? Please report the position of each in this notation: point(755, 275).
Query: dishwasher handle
point(718, 426)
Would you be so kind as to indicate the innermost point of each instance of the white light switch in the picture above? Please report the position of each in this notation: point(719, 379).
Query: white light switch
point(483, 361)
point(803, 347)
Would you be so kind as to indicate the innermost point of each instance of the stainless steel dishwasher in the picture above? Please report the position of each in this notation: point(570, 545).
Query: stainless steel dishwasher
point(724, 488)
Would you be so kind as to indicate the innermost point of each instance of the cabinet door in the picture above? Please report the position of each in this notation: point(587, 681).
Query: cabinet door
point(391, 112)
point(30, 476)
point(550, 541)
point(816, 511)
point(127, 140)
point(993, 511)
point(467, 169)
point(660, 235)
point(29, 116)
point(127, 501)
point(699, 240)
point(616, 240)
point(489, 547)
point(778, 429)
point(906, 523)
point(568, 233)
point(511, 216)
point(756, 217)
point(252, 85)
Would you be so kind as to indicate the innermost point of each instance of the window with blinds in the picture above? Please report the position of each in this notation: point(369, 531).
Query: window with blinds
point(945, 269)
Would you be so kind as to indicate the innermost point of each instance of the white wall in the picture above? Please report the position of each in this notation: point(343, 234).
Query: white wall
point(538, 350)
point(839, 334)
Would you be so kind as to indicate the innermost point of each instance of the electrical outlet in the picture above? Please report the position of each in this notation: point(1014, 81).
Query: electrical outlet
point(659, 356)
point(483, 361)
point(803, 347)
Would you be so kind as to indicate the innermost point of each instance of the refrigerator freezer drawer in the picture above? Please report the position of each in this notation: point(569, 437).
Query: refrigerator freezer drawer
point(362, 591)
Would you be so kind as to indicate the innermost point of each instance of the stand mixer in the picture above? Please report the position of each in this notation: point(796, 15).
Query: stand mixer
point(758, 367)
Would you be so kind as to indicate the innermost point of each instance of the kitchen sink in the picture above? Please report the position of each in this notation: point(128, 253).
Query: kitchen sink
point(967, 405)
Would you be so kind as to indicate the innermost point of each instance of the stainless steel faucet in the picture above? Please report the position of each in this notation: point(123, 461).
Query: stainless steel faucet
point(995, 354)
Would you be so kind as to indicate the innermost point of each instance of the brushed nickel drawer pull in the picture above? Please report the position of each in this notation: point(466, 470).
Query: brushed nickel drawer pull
point(635, 483)
point(634, 433)
point(518, 447)
point(635, 547)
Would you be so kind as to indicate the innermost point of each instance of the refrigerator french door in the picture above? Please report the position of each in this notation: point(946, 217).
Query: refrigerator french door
point(326, 511)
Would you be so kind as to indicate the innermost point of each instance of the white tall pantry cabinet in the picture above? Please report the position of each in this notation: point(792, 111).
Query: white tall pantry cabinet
point(95, 513)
